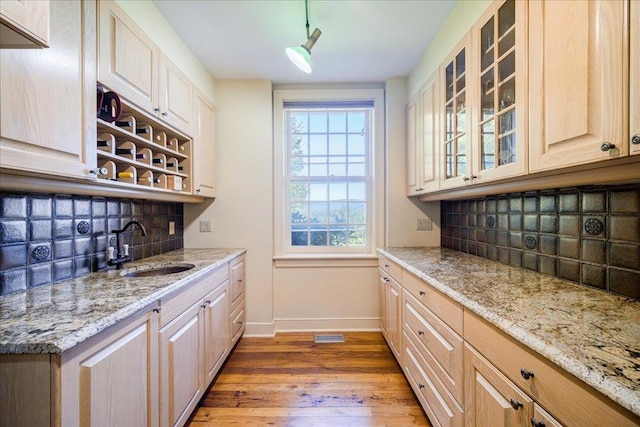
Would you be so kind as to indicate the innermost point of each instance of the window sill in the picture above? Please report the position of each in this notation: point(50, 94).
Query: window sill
point(325, 260)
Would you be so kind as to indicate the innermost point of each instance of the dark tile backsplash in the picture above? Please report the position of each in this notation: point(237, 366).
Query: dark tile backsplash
point(46, 238)
point(588, 235)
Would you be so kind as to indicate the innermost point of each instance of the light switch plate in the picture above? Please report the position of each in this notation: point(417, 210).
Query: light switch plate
point(424, 224)
point(205, 226)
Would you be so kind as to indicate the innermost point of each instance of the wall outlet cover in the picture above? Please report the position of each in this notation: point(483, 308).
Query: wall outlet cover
point(424, 224)
point(172, 228)
point(205, 226)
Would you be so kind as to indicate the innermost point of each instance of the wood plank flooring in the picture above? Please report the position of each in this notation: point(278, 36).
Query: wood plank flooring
point(289, 380)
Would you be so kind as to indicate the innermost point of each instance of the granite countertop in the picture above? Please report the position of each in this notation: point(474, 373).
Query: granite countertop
point(592, 334)
point(54, 318)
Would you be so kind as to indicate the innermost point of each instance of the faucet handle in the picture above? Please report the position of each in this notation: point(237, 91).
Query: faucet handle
point(125, 248)
point(110, 251)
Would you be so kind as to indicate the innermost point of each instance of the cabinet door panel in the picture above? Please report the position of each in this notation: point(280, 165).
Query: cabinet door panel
point(204, 160)
point(216, 330)
point(430, 136)
point(43, 99)
point(24, 24)
point(116, 377)
point(127, 58)
point(577, 96)
point(176, 92)
point(394, 312)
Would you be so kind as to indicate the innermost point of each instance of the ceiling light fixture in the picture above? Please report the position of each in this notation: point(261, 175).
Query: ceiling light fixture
point(301, 55)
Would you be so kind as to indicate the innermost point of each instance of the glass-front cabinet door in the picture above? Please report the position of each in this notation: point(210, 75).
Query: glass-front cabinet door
point(455, 149)
point(500, 109)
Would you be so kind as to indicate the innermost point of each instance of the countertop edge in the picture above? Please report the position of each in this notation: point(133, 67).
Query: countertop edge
point(571, 365)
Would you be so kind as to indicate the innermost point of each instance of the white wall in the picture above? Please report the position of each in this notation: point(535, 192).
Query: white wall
point(463, 16)
point(153, 23)
point(242, 214)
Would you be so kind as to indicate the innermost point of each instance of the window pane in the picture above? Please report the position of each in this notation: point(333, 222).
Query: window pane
point(357, 213)
point(338, 213)
point(299, 166)
point(318, 213)
point(298, 122)
point(318, 238)
point(358, 236)
point(318, 166)
point(337, 166)
point(357, 166)
point(356, 145)
point(338, 191)
point(356, 121)
point(338, 122)
point(299, 192)
point(318, 192)
point(357, 191)
point(299, 235)
point(337, 237)
point(318, 145)
point(318, 122)
point(338, 144)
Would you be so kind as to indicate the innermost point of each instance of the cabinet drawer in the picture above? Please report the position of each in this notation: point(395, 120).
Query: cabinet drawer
point(237, 281)
point(437, 343)
point(237, 322)
point(449, 311)
point(176, 303)
point(440, 407)
point(569, 399)
point(390, 267)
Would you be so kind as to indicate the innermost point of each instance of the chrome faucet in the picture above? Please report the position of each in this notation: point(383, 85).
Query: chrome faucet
point(123, 256)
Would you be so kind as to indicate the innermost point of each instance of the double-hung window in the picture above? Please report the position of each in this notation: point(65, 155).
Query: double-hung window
point(327, 174)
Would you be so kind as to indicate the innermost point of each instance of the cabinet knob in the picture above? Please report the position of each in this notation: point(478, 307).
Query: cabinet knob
point(385, 279)
point(422, 293)
point(198, 190)
point(386, 266)
point(469, 178)
point(164, 113)
point(420, 332)
point(420, 386)
point(515, 404)
point(156, 109)
point(635, 139)
point(156, 310)
point(537, 423)
point(606, 146)
point(419, 189)
point(526, 374)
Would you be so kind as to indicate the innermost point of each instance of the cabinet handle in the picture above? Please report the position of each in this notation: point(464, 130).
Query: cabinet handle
point(420, 386)
point(198, 190)
point(526, 374)
point(203, 305)
point(386, 266)
point(156, 110)
point(422, 293)
point(164, 113)
point(156, 310)
point(515, 404)
point(419, 189)
point(469, 178)
point(537, 423)
point(385, 280)
point(635, 139)
point(606, 146)
point(239, 280)
point(420, 332)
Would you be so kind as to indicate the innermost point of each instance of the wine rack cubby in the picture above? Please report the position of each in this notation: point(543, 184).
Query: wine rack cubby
point(139, 150)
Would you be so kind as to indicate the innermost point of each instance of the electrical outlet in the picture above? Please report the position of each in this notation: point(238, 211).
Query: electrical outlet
point(172, 228)
point(424, 224)
point(205, 226)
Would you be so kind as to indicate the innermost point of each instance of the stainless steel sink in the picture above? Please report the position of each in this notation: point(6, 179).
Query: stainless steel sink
point(159, 271)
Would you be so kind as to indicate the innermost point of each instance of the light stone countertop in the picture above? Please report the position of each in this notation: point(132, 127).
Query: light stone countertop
point(592, 334)
point(54, 318)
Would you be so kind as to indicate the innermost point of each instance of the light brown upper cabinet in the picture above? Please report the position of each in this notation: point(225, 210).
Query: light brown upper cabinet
point(204, 171)
point(24, 24)
point(48, 97)
point(577, 97)
point(130, 64)
point(422, 139)
point(634, 76)
point(498, 109)
point(455, 141)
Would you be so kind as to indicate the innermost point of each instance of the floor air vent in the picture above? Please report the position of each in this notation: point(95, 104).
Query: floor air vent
point(329, 338)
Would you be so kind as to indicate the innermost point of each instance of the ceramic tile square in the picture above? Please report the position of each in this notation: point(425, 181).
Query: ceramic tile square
point(595, 202)
point(98, 207)
point(481, 206)
point(624, 282)
point(594, 226)
point(502, 238)
point(99, 244)
point(547, 203)
point(594, 275)
point(13, 256)
point(472, 246)
point(113, 223)
point(159, 209)
point(62, 228)
point(549, 224)
point(481, 235)
point(569, 225)
point(515, 222)
point(515, 240)
point(39, 275)
point(503, 255)
point(113, 208)
point(492, 253)
point(82, 227)
point(63, 207)
point(625, 200)
point(464, 220)
point(569, 270)
point(82, 246)
point(125, 208)
point(98, 226)
point(624, 255)
point(12, 281)
point(530, 261)
point(471, 220)
point(137, 209)
point(40, 229)
point(626, 228)
point(569, 247)
point(594, 251)
point(81, 266)
point(482, 250)
point(490, 205)
point(147, 209)
point(502, 222)
point(179, 209)
point(41, 207)
point(515, 258)
point(530, 204)
point(530, 222)
point(40, 252)
point(531, 242)
point(62, 270)
point(569, 203)
point(82, 207)
point(13, 231)
point(490, 236)
point(515, 204)
point(13, 206)
point(548, 245)
point(62, 249)
point(503, 205)
point(473, 208)
point(481, 220)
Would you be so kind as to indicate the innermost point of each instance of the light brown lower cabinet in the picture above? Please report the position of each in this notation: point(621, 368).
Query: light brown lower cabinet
point(148, 370)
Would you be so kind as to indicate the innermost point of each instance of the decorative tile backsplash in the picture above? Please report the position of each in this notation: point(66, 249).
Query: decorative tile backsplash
point(47, 238)
point(588, 235)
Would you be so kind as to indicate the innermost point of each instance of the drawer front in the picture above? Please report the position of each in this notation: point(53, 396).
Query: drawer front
point(437, 343)
point(237, 323)
point(440, 407)
point(175, 304)
point(449, 311)
point(237, 281)
point(390, 267)
point(542, 418)
point(570, 400)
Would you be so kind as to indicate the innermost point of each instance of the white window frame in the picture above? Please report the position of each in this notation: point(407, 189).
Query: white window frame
point(375, 197)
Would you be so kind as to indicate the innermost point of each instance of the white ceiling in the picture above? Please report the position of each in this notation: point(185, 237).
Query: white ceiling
point(361, 41)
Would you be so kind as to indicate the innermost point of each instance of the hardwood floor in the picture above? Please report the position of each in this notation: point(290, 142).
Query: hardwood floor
point(289, 380)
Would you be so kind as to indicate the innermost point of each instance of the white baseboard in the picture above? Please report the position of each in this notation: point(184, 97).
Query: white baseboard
point(324, 325)
point(260, 330)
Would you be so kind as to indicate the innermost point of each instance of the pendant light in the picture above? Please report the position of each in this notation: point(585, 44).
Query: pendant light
point(301, 55)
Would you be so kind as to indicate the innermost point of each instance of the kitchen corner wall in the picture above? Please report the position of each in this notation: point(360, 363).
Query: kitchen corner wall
point(46, 238)
point(588, 235)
